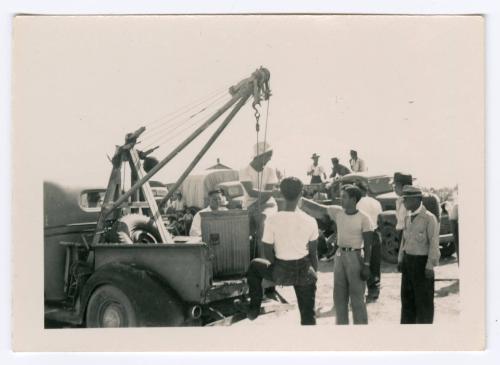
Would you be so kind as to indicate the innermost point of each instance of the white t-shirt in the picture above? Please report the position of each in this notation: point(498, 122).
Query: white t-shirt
point(259, 182)
point(290, 233)
point(371, 207)
point(401, 213)
point(316, 170)
point(350, 228)
point(196, 224)
point(357, 165)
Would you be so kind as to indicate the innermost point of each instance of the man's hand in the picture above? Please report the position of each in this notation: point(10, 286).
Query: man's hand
point(365, 272)
point(429, 273)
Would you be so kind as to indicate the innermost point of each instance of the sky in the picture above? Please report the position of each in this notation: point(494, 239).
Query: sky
point(399, 92)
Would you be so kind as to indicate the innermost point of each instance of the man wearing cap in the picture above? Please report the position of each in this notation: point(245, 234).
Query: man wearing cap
point(258, 181)
point(214, 204)
point(316, 171)
point(357, 164)
point(418, 255)
point(351, 270)
point(372, 208)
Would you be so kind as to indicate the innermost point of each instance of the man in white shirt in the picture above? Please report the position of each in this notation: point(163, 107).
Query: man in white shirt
point(290, 251)
point(214, 204)
point(258, 181)
point(351, 270)
point(316, 171)
point(372, 208)
point(357, 164)
point(399, 181)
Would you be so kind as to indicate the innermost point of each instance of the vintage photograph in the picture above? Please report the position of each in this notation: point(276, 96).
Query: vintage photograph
point(249, 171)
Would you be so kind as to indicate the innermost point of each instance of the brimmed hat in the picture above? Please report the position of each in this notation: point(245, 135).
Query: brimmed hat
point(410, 191)
point(314, 156)
point(261, 148)
point(404, 179)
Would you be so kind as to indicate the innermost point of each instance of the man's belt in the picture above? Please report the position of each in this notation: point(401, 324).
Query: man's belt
point(348, 249)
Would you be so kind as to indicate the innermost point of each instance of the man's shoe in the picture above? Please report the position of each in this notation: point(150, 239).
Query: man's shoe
point(251, 313)
point(371, 299)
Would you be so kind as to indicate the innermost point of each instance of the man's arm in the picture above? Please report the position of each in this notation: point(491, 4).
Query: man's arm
point(367, 249)
point(264, 194)
point(269, 252)
point(312, 247)
point(367, 246)
point(317, 210)
point(433, 237)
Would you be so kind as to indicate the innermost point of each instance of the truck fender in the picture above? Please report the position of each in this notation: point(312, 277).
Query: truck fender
point(154, 301)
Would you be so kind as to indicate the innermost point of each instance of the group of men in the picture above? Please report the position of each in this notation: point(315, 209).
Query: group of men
point(318, 174)
point(288, 249)
point(287, 243)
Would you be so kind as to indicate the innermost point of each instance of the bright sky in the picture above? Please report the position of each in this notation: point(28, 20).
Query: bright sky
point(397, 91)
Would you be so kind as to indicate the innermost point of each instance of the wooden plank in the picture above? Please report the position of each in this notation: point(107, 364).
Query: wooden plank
point(135, 164)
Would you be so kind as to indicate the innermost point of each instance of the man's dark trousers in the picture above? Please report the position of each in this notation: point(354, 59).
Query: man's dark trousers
point(298, 273)
point(417, 291)
point(373, 282)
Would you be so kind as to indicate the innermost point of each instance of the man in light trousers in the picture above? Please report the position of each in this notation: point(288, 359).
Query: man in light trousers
point(355, 233)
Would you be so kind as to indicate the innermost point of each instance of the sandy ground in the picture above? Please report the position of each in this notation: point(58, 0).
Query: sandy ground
point(385, 311)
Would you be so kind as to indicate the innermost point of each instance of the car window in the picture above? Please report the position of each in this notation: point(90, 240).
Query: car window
point(380, 185)
point(234, 191)
point(91, 200)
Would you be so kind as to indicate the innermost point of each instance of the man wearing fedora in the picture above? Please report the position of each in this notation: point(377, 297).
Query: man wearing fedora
point(316, 171)
point(418, 255)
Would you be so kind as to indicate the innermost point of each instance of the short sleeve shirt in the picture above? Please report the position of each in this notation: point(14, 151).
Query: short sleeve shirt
point(290, 233)
point(267, 176)
point(350, 227)
point(316, 170)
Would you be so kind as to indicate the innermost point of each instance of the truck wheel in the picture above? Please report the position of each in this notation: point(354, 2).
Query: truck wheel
point(110, 307)
point(135, 228)
point(390, 243)
point(447, 249)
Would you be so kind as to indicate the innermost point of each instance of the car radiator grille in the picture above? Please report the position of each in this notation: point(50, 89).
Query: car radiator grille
point(227, 234)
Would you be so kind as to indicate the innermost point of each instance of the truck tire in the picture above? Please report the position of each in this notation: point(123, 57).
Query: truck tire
point(447, 249)
point(110, 307)
point(134, 228)
point(389, 243)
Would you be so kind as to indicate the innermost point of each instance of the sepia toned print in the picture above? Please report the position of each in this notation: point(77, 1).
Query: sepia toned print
point(189, 192)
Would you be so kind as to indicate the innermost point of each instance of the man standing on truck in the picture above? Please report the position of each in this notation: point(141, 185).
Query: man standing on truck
point(258, 181)
point(372, 208)
point(290, 255)
point(351, 270)
point(338, 170)
point(357, 164)
point(214, 204)
point(418, 256)
point(316, 171)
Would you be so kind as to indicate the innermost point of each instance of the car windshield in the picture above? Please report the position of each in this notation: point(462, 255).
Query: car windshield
point(380, 185)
